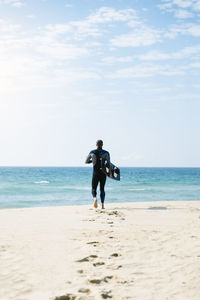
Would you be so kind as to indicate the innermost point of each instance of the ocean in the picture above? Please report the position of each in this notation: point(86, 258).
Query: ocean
point(55, 186)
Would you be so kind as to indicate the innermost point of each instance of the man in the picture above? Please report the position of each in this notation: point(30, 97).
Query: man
point(95, 157)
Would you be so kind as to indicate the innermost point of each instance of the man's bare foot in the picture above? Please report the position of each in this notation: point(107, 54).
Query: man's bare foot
point(102, 206)
point(95, 203)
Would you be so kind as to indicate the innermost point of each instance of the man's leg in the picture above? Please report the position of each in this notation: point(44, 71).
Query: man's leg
point(95, 180)
point(102, 191)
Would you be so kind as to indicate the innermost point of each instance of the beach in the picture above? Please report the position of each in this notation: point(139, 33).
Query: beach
point(148, 250)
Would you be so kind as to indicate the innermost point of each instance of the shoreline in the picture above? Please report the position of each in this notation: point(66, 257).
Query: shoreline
point(106, 204)
point(130, 250)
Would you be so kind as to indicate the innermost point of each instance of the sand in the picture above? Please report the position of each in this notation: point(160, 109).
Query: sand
point(127, 251)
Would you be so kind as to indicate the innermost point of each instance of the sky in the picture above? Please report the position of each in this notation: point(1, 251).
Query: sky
point(125, 71)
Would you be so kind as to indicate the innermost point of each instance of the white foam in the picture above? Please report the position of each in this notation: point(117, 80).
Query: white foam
point(72, 187)
point(42, 182)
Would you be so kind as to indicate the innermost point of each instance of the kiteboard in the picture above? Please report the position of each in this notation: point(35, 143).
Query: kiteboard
point(110, 170)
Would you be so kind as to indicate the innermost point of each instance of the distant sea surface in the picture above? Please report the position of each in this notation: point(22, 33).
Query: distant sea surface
point(54, 186)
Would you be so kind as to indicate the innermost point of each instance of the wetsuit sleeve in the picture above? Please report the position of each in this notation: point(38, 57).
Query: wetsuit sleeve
point(108, 157)
point(89, 159)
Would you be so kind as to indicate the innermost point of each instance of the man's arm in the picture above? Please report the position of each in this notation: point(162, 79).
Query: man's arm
point(89, 159)
point(108, 157)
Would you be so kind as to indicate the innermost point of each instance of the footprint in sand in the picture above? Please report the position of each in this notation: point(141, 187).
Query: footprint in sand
point(98, 264)
point(106, 294)
point(83, 290)
point(92, 243)
point(3, 248)
point(114, 267)
point(119, 267)
point(115, 213)
point(99, 281)
point(110, 213)
point(115, 255)
point(66, 297)
point(95, 281)
point(87, 258)
point(107, 278)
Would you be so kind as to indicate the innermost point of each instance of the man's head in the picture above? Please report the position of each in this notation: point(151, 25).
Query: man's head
point(99, 143)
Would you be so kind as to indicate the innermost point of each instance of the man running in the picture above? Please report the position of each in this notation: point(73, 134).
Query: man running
point(95, 157)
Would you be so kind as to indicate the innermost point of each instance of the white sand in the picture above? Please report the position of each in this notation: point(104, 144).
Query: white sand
point(129, 252)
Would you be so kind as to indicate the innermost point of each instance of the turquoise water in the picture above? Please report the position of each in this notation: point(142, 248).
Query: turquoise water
point(53, 186)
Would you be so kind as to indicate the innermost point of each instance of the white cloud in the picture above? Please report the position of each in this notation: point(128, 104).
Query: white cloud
point(95, 24)
point(183, 29)
point(113, 60)
point(93, 44)
point(15, 3)
point(22, 73)
point(192, 52)
point(126, 59)
point(109, 14)
point(18, 4)
point(57, 29)
point(195, 65)
point(146, 70)
point(196, 5)
point(8, 28)
point(61, 51)
point(45, 41)
point(181, 8)
point(51, 55)
point(143, 36)
point(92, 25)
point(179, 3)
point(183, 3)
point(183, 14)
point(109, 60)
point(154, 55)
point(38, 59)
point(192, 29)
point(82, 29)
point(31, 16)
point(44, 57)
point(187, 52)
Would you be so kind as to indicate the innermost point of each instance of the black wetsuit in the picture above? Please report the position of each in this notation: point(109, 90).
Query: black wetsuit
point(95, 157)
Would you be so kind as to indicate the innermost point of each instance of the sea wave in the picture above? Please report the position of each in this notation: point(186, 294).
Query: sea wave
point(42, 182)
point(136, 190)
point(72, 187)
point(81, 188)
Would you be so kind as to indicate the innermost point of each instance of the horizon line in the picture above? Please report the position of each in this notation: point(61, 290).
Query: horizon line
point(64, 166)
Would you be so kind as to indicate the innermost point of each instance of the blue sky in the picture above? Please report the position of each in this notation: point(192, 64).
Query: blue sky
point(123, 71)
